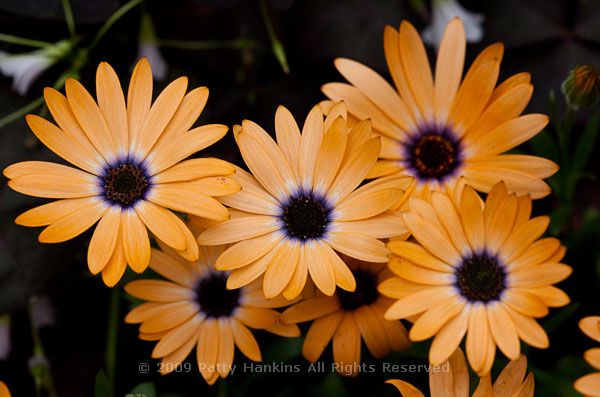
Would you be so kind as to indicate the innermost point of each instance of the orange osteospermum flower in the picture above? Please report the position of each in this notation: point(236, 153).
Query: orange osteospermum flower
point(478, 269)
point(130, 170)
point(304, 202)
point(4, 392)
point(437, 128)
point(589, 385)
point(346, 317)
point(193, 308)
point(451, 379)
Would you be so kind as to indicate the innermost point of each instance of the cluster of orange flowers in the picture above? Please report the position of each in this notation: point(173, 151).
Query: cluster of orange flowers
point(368, 214)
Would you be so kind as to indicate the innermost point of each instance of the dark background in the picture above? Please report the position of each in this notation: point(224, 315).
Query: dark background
point(544, 37)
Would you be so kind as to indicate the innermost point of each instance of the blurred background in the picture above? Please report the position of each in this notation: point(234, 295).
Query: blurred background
point(57, 322)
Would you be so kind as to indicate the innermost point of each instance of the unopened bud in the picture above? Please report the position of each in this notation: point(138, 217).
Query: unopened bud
point(582, 86)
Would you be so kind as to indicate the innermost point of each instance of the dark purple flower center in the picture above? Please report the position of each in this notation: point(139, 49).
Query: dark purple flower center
point(433, 154)
point(364, 294)
point(305, 216)
point(214, 298)
point(125, 183)
point(481, 278)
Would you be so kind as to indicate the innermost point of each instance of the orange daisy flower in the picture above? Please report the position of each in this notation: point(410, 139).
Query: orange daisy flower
point(4, 392)
point(193, 308)
point(437, 127)
point(346, 317)
point(304, 202)
point(451, 379)
point(478, 269)
point(130, 172)
point(589, 385)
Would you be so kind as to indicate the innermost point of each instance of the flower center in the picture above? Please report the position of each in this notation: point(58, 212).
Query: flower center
point(364, 294)
point(305, 217)
point(481, 278)
point(214, 298)
point(124, 184)
point(433, 155)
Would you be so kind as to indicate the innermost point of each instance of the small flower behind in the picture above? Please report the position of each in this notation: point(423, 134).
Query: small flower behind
point(476, 269)
point(451, 379)
point(194, 308)
point(148, 48)
point(130, 171)
point(589, 385)
point(25, 68)
point(442, 12)
point(346, 317)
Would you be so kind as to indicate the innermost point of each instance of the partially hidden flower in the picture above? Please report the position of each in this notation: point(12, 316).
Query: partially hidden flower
point(4, 392)
point(438, 129)
point(442, 12)
point(193, 308)
point(589, 385)
point(148, 48)
point(451, 379)
point(303, 203)
point(130, 171)
point(346, 318)
point(25, 68)
point(582, 87)
point(476, 269)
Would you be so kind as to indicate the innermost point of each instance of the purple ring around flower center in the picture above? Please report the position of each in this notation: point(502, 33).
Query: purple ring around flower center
point(481, 277)
point(305, 215)
point(125, 182)
point(433, 153)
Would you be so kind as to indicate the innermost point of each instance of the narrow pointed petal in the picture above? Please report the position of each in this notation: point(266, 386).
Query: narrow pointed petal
point(104, 240)
point(135, 241)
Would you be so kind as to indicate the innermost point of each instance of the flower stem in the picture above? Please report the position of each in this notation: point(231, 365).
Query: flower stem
point(564, 139)
point(222, 388)
point(111, 338)
point(235, 44)
point(77, 64)
point(66, 5)
point(9, 38)
point(30, 107)
point(40, 370)
point(276, 45)
point(111, 21)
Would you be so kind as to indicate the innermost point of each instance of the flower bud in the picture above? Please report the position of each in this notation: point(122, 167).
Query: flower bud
point(148, 48)
point(582, 87)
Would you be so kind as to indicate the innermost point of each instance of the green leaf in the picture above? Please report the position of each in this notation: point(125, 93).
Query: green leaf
point(573, 180)
point(332, 385)
point(588, 231)
point(585, 145)
point(544, 145)
point(284, 349)
point(553, 382)
point(102, 388)
point(145, 389)
point(563, 315)
point(559, 219)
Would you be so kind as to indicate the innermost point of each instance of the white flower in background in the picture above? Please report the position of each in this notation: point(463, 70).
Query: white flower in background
point(25, 68)
point(5, 345)
point(42, 312)
point(442, 11)
point(148, 48)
